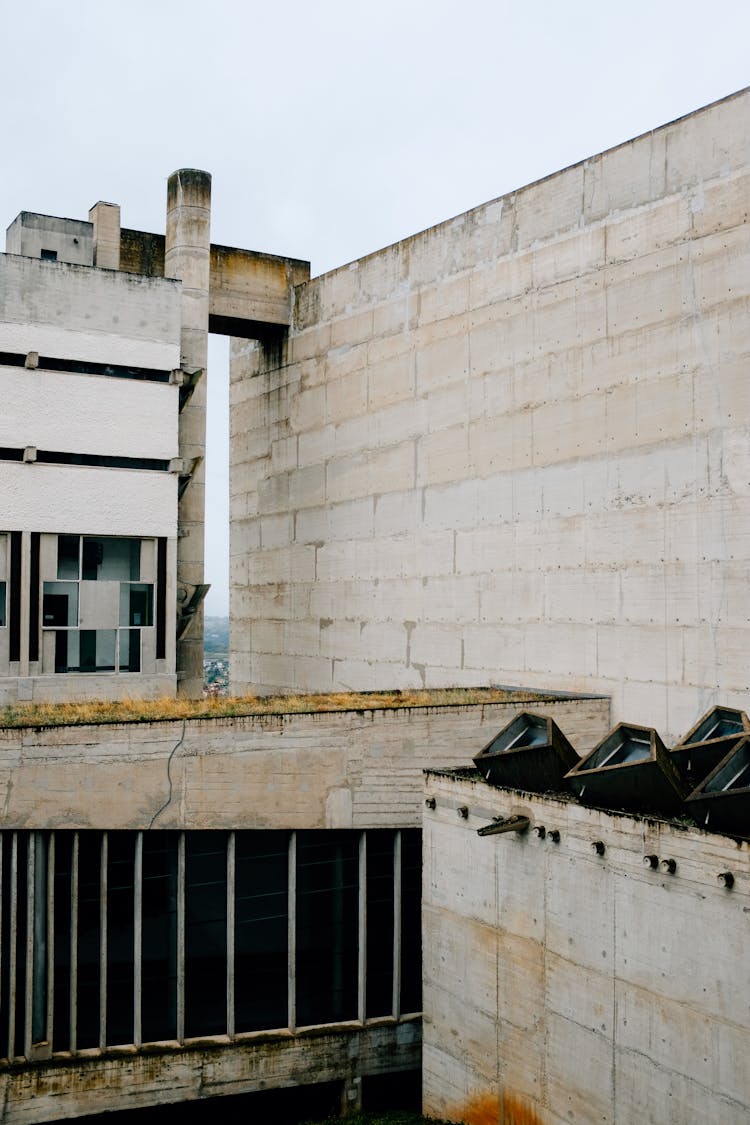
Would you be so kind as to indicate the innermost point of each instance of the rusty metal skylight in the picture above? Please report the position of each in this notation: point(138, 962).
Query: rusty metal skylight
point(629, 769)
point(722, 801)
point(531, 753)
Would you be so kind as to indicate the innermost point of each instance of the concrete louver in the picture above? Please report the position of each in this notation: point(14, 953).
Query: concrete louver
point(531, 753)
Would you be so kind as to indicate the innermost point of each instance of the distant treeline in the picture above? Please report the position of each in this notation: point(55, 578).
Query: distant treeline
point(216, 638)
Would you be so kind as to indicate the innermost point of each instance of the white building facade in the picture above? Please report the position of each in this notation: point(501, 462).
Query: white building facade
point(90, 470)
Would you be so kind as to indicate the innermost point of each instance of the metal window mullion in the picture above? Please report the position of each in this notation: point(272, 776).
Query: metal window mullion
point(396, 999)
point(231, 870)
point(12, 937)
point(181, 937)
point(292, 933)
point(50, 938)
point(137, 937)
point(362, 934)
point(28, 1013)
point(103, 887)
point(74, 855)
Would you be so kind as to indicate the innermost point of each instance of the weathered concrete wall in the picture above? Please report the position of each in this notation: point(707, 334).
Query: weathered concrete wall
point(71, 239)
point(101, 1082)
point(563, 986)
point(345, 769)
point(187, 256)
point(100, 316)
point(514, 448)
point(246, 285)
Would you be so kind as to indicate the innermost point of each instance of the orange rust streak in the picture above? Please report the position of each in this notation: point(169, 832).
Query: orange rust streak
point(488, 1109)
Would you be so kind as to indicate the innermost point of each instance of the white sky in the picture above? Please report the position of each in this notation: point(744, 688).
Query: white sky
point(333, 127)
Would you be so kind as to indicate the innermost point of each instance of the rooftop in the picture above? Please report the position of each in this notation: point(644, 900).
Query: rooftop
point(159, 710)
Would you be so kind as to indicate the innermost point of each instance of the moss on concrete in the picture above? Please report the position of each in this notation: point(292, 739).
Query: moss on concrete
point(162, 710)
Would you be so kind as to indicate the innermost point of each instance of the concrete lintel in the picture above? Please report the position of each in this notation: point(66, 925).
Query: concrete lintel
point(248, 286)
point(165, 1074)
point(249, 291)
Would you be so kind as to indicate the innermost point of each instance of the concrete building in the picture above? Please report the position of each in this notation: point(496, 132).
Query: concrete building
point(224, 906)
point(89, 434)
point(598, 964)
point(513, 448)
point(103, 337)
point(509, 449)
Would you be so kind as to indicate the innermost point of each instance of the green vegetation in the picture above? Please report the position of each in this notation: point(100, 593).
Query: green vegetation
point(160, 710)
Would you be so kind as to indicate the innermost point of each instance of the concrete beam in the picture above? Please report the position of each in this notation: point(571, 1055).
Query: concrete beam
point(249, 293)
point(123, 1079)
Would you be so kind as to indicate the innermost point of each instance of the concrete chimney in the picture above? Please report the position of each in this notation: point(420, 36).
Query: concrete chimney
point(106, 221)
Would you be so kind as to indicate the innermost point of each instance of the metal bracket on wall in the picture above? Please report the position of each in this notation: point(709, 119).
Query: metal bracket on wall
point(505, 824)
point(189, 599)
point(188, 383)
point(185, 468)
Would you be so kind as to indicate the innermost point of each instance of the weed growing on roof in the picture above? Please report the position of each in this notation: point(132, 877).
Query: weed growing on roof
point(162, 710)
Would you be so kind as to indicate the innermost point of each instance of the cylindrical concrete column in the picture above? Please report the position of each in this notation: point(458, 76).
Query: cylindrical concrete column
point(188, 257)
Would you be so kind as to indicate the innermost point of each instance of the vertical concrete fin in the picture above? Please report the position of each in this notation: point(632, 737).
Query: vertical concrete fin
point(187, 258)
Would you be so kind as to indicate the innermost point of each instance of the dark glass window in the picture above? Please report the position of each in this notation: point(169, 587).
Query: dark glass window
point(120, 936)
point(159, 944)
point(89, 881)
point(379, 982)
point(205, 933)
point(111, 560)
point(261, 930)
point(137, 604)
point(130, 650)
point(411, 921)
point(13, 942)
point(59, 604)
point(68, 551)
point(326, 965)
point(63, 861)
point(327, 926)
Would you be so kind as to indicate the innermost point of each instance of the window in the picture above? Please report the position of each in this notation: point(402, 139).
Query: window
point(151, 936)
point(98, 605)
point(327, 914)
point(3, 579)
point(49, 255)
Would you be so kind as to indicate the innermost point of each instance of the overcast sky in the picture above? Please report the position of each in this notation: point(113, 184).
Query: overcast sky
point(333, 128)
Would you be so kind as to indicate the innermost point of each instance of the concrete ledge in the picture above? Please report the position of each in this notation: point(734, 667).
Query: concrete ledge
point(67, 1088)
point(338, 769)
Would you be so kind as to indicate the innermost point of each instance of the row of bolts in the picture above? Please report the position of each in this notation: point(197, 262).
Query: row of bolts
point(521, 823)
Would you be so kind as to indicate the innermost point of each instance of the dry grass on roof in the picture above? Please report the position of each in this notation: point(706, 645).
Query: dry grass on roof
point(161, 710)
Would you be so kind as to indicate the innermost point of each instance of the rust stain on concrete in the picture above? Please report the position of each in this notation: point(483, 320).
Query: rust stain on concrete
point(489, 1109)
